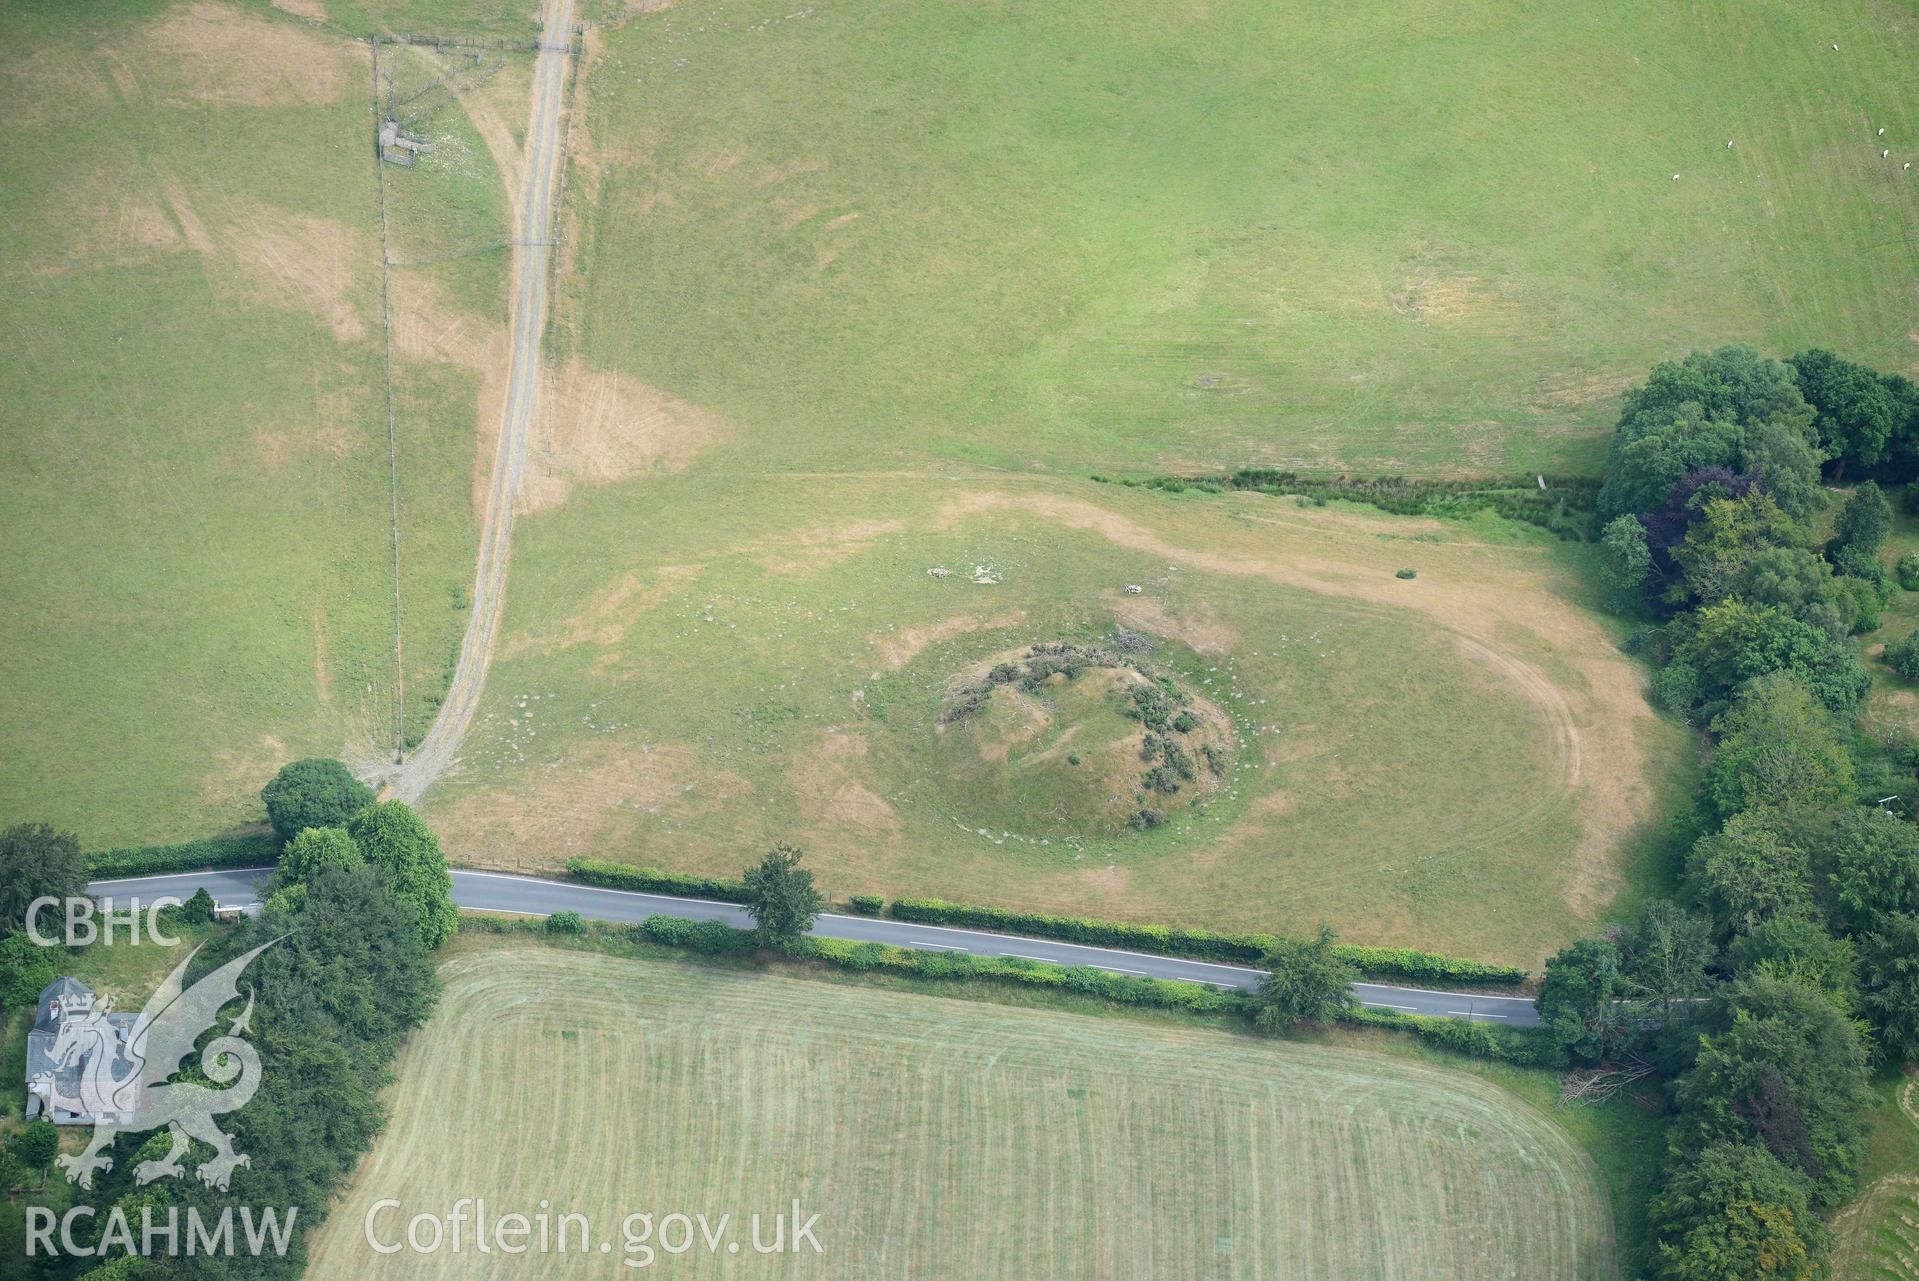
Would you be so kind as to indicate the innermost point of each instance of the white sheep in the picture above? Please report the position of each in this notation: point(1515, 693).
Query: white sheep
point(1885, 152)
point(1882, 131)
point(1675, 177)
point(1729, 144)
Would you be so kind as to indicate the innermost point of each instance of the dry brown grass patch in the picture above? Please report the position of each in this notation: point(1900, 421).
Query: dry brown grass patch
point(239, 774)
point(832, 796)
point(588, 803)
point(298, 261)
point(898, 648)
point(311, 10)
point(596, 427)
point(218, 53)
point(604, 618)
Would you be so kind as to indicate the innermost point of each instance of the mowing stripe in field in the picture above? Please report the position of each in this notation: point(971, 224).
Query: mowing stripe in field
point(940, 1138)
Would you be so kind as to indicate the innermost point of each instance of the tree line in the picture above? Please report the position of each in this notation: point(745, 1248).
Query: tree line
point(1788, 966)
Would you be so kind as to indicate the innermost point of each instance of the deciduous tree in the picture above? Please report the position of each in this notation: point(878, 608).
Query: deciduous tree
point(1779, 748)
point(315, 792)
point(37, 861)
point(1788, 1071)
point(1733, 1212)
point(315, 848)
point(1306, 982)
point(781, 898)
point(1889, 975)
point(392, 838)
point(1581, 1001)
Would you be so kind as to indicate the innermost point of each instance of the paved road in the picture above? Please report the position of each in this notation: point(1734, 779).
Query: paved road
point(533, 896)
point(527, 320)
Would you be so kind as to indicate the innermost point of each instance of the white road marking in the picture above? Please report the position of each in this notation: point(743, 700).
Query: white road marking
point(169, 876)
point(1464, 996)
point(1381, 1005)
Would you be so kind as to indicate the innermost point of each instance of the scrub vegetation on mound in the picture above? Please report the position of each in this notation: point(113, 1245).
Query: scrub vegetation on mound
point(1077, 742)
point(964, 1138)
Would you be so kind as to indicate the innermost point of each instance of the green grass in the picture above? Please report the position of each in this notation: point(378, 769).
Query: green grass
point(685, 679)
point(1080, 235)
point(195, 462)
point(1893, 703)
point(939, 1137)
point(1878, 1233)
point(1625, 1136)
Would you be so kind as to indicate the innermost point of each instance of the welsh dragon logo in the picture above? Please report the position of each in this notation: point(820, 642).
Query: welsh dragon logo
point(139, 1097)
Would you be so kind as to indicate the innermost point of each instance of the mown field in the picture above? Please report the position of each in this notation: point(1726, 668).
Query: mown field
point(196, 484)
point(944, 1138)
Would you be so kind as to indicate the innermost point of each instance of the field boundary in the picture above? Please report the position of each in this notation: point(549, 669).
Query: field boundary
point(392, 437)
point(413, 774)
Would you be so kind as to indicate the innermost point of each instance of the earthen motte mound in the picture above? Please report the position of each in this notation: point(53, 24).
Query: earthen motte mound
point(1062, 742)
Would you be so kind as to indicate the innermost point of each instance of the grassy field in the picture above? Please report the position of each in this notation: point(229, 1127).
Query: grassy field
point(1893, 703)
point(734, 666)
point(196, 484)
point(1437, 236)
point(1878, 1233)
point(948, 1138)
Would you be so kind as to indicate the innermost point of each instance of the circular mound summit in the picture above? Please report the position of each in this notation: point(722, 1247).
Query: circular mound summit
point(1076, 742)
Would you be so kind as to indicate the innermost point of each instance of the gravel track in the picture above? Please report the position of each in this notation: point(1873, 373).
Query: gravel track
point(410, 780)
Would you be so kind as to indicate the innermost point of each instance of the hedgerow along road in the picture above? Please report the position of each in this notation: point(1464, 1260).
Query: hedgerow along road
point(537, 896)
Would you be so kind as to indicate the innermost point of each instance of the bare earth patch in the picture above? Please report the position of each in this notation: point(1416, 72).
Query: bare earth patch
point(597, 427)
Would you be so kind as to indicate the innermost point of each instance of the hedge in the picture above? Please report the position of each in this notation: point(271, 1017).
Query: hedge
point(1167, 994)
point(1526, 1047)
point(1565, 506)
point(1204, 945)
point(255, 849)
point(621, 876)
point(711, 937)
